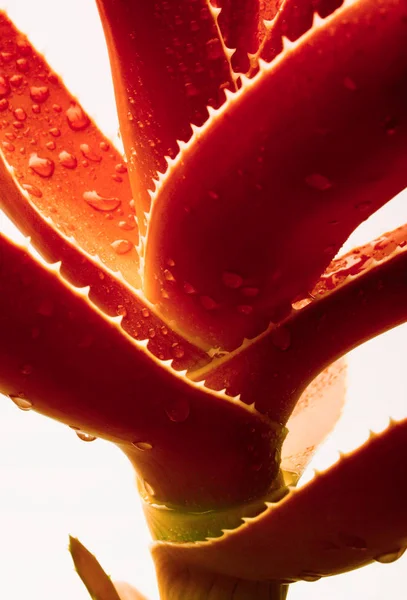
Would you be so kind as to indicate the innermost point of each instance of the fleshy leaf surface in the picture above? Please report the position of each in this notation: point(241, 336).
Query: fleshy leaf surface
point(248, 217)
point(344, 518)
point(168, 64)
point(192, 446)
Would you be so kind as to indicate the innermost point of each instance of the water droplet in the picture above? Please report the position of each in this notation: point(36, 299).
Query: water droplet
point(22, 65)
point(36, 108)
point(281, 338)
point(143, 446)
point(21, 402)
point(39, 93)
point(309, 576)
point(127, 225)
point(101, 203)
point(250, 292)
point(67, 160)
point(104, 146)
point(189, 289)
point(55, 132)
point(164, 330)
point(44, 167)
point(121, 168)
point(26, 369)
point(6, 57)
point(20, 114)
point(82, 435)
point(318, 182)
point(149, 489)
point(151, 333)
point(389, 557)
point(77, 120)
point(32, 190)
point(57, 108)
point(168, 275)
point(245, 309)
point(4, 87)
point(232, 280)
point(3, 104)
point(89, 153)
point(145, 313)
point(16, 80)
point(177, 350)
point(8, 146)
point(121, 246)
point(353, 541)
point(178, 410)
point(121, 311)
point(208, 303)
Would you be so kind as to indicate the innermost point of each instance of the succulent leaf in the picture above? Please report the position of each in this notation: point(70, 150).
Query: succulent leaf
point(344, 518)
point(263, 209)
point(156, 46)
point(98, 584)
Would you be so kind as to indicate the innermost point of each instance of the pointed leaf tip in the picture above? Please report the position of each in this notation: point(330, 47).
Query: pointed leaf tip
point(97, 582)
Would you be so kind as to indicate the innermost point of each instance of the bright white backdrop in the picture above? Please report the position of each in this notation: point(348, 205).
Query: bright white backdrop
point(51, 484)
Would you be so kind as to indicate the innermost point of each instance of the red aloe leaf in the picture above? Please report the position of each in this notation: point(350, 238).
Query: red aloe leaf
point(292, 20)
point(344, 518)
point(248, 217)
point(283, 361)
point(72, 173)
point(168, 64)
point(242, 25)
point(68, 360)
point(93, 234)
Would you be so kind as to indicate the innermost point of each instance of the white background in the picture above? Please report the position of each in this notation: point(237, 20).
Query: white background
point(51, 484)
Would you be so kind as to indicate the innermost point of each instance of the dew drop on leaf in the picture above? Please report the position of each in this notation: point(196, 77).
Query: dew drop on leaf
point(245, 309)
point(100, 202)
point(20, 114)
point(145, 313)
point(67, 160)
point(89, 153)
point(232, 280)
point(39, 93)
point(44, 167)
point(389, 557)
point(32, 190)
point(4, 87)
point(77, 120)
point(83, 435)
point(309, 576)
point(26, 369)
point(143, 446)
point(177, 350)
point(122, 246)
point(318, 182)
point(21, 402)
point(178, 410)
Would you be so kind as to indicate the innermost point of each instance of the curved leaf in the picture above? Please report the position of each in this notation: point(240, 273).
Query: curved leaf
point(68, 360)
point(247, 217)
point(343, 519)
point(74, 176)
point(366, 296)
point(169, 64)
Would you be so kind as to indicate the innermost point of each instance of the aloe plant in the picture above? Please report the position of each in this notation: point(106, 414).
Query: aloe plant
point(202, 271)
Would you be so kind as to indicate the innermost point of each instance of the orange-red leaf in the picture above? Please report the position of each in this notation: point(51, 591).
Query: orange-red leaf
point(263, 197)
